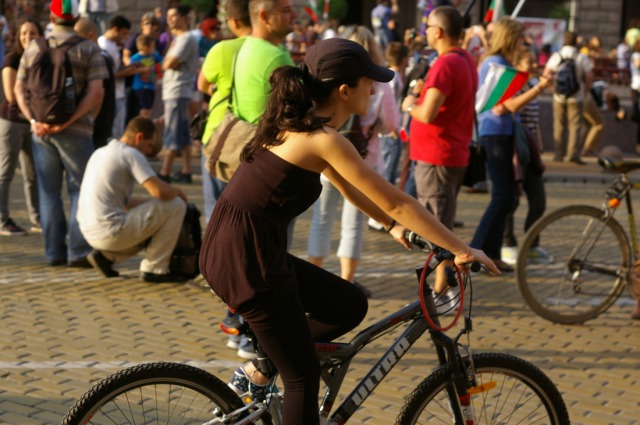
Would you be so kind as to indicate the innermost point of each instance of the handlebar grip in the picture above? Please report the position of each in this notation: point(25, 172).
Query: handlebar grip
point(475, 267)
point(417, 240)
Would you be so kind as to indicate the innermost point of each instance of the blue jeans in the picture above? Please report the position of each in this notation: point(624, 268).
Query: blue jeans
point(488, 236)
point(55, 156)
point(211, 189)
point(391, 149)
point(533, 186)
point(410, 185)
point(324, 214)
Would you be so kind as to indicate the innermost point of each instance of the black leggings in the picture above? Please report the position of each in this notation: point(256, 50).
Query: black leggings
point(315, 306)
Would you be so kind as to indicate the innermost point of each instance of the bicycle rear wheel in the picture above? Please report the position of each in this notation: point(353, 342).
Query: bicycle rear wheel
point(588, 267)
point(509, 390)
point(166, 393)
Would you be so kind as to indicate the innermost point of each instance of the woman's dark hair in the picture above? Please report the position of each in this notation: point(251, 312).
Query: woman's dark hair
point(292, 100)
point(17, 46)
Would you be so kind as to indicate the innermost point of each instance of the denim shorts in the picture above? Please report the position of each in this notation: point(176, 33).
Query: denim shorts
point(176, 123)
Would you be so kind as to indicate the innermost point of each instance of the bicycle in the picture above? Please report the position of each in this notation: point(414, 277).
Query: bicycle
point(591, 256)
point(466, 388)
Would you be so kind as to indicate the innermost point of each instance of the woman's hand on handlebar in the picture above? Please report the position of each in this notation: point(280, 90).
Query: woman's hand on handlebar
point(398, 233)
point(476, 255)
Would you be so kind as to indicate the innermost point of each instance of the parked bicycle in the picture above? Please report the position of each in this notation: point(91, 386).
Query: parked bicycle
point(590, 255)
point(466, 388)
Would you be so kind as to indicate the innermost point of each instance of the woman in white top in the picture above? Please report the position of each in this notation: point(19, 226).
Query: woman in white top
point(384, 116)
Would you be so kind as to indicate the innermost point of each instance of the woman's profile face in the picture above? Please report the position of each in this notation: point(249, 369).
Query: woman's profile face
point(362, 95)
point(28, 32)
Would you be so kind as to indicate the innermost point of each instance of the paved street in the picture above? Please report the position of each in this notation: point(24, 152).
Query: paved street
point(64, 329)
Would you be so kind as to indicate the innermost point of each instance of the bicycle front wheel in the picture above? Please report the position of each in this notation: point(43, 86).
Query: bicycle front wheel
point(509, 391)
point(163, 393)
point(585, 271)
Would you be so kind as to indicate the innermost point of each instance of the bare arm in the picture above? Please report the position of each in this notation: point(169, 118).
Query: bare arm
point(516, 103)
point(428, 110)
point(333, 155)
point(204, 85)
point(161, 190)
point(21, 97)
point(90, 103)
point(126, 57)
point(170, 62)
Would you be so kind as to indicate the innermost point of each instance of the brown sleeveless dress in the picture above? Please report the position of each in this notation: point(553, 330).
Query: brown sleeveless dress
point(244, 251)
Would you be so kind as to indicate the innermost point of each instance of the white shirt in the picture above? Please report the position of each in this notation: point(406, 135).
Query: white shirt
point(111, 47)
point(109, 180)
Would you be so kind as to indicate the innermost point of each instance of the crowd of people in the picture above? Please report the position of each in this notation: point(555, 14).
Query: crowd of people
point(415, 98)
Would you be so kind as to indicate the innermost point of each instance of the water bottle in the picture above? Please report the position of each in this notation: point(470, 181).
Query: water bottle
point(70, 96)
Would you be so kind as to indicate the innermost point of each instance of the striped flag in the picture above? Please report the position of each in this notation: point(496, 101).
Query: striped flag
point(311, 8)
point(501, 83)
point(492, 14)
point(325, 15)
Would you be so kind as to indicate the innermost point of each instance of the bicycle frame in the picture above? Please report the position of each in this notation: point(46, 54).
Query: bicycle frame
point(335, 359)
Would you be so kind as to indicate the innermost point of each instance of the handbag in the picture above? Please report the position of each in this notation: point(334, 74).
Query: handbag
point(352, 130)
point(229, 138)
point(476, 171)
point(198, 124)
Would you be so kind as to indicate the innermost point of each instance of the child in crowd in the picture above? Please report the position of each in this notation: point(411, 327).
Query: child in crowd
point(144, 84)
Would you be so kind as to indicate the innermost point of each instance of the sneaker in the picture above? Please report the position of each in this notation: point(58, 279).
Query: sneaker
point(233, 341)
point(102, 264)
point(509, 254)
point(80, 263)
point(35, 228)
point(166, 179)
point(539, 253)
point(181, 177)
point(246, 349)
point(9, 228)
point(374, 225)
point(162, 278)
point(241, 384)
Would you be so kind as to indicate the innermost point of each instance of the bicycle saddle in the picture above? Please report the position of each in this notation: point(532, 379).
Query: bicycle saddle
point(618, 165)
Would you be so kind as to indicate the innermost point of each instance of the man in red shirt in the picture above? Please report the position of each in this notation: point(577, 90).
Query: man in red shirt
point(442, 117)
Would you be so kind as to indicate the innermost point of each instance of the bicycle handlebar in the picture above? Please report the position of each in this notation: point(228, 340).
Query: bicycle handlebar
point(427, 246)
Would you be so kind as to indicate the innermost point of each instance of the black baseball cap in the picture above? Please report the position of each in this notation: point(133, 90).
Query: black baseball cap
point(337, 59)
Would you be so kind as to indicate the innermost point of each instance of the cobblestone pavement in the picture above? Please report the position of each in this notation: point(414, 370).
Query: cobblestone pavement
point(64, 329)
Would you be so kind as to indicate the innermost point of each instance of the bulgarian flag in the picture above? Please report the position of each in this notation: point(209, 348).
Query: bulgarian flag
point(501, 83)
point(493, 15)
point(311, 8)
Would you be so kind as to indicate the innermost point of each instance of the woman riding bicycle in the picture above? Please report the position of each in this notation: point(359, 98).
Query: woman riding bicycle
point(288, 302)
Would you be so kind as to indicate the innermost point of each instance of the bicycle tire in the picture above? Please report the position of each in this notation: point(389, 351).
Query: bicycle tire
point(155, 393)
point(513, 391)
point(588, 267)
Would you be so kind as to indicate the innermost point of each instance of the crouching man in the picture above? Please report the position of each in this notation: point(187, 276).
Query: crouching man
point(115, 224)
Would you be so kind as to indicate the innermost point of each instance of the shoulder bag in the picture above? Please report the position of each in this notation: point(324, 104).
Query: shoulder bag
point(226, 143)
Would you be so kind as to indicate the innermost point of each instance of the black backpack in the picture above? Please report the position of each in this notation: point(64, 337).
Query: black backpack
point(567, 83)
point(50, 86)
point(352, 130)
point(184, 259)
